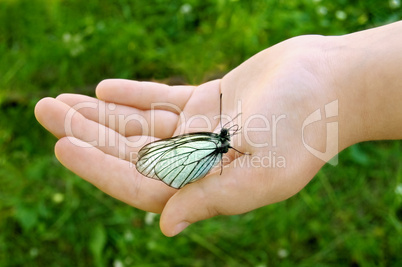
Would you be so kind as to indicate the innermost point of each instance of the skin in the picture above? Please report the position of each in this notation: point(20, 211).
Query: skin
point(293, 78)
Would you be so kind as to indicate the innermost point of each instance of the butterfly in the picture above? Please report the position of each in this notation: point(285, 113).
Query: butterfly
point(183, 159)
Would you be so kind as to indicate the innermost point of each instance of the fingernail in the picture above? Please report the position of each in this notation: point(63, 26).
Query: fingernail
point(180, 227)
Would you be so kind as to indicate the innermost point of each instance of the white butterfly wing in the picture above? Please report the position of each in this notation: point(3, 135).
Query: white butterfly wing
point(180, 160)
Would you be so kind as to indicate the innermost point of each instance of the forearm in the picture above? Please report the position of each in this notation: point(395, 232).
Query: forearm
point(368, 79)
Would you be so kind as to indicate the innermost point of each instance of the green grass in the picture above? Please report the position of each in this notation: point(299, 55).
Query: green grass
point(350, 214)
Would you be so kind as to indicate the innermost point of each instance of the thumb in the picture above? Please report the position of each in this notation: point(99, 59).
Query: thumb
point(216, 194)
point(187, 206)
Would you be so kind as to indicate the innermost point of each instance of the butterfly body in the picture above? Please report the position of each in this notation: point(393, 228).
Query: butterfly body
point(183, 159)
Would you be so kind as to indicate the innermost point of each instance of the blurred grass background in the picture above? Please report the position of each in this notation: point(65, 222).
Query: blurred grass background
point(349, 215)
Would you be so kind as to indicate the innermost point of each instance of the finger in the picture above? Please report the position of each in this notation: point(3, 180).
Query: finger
point(61, 120)
point(127, 121)
point(50, 113)
point(114, 176)
point(201, 113)
point(144, 95)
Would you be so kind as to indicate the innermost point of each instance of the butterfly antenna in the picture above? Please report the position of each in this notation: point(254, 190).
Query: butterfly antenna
point(232, 119)
point(238, 114)
point(235, 129)
point(220, 110)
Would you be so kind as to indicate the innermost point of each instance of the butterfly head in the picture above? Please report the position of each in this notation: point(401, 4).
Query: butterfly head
point(226, 133)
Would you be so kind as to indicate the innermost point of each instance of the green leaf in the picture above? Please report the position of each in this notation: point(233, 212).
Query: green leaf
point(27, 217)
point(97, 243)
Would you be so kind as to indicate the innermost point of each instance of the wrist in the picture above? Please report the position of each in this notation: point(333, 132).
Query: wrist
point(365, 67)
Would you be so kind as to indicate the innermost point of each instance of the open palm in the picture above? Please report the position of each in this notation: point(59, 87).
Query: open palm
point(99, 137)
